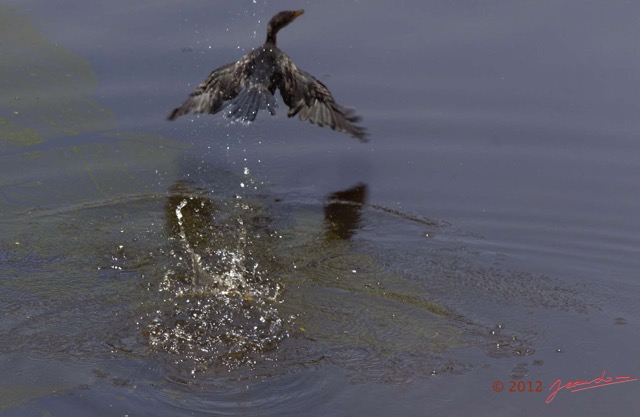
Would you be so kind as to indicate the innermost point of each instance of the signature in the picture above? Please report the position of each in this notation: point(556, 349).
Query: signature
point(581, 385)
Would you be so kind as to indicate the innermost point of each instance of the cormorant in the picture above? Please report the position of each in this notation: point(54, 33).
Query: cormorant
point(249, 84)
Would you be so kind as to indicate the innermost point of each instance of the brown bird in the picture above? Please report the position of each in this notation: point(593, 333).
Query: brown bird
point(249, 85)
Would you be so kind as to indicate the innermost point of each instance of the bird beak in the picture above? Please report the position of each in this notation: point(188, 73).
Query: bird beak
point(297, 13)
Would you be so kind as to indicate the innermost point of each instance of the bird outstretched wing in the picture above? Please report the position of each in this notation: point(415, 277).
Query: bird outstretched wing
point(311, 100)
point(222, 85)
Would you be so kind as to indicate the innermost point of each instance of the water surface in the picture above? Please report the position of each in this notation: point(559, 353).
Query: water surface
point(488, 232)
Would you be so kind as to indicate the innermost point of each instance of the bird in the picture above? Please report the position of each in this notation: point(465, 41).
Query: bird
point(248, 85)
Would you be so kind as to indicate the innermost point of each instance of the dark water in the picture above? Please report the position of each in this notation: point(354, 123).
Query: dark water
point(488, 232)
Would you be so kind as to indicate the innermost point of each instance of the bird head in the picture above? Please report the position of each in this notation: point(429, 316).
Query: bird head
point(281, 20)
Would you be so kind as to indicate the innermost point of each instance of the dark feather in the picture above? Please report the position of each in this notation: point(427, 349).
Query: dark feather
point(222, 85)
point(311, 100)
point(248, 85)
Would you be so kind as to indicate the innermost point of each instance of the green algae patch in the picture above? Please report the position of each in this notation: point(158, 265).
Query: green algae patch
point(58, 146)
point(100, 169)
point(14, 135)
point(15, 395)
point(45, 90)
point(344, 297)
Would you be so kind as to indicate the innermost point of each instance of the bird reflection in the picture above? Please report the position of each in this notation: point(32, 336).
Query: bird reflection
point(343, 212)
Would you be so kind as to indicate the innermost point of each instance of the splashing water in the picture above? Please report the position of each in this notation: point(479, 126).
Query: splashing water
point(219, 303)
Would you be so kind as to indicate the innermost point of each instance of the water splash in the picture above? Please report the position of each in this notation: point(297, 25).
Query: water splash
point(220, 301)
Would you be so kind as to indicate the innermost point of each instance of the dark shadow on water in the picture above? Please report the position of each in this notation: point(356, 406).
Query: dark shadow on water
point(343, 211)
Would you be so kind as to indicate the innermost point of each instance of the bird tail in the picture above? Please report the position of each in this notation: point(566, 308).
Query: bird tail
point(249, 101)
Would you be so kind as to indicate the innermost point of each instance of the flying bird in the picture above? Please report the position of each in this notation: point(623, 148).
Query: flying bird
point(248, 85)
